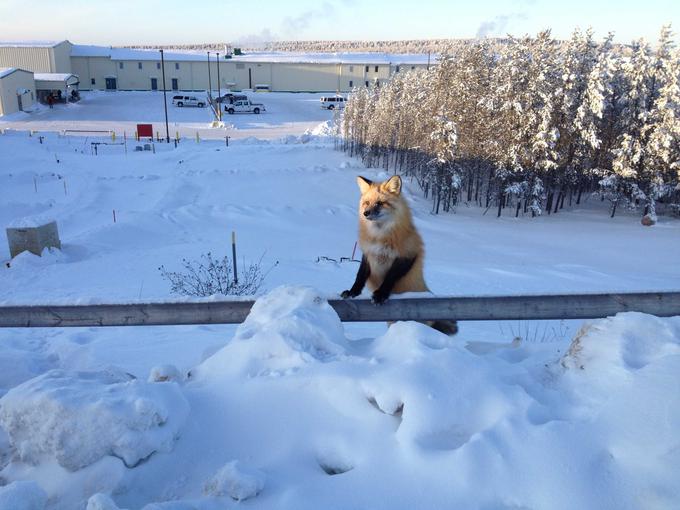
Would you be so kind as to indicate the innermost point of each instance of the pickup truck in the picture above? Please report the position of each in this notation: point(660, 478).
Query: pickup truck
point(244, 106)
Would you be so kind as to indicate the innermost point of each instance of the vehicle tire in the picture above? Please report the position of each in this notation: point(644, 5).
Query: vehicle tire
point(256, 111)
point(331, 107)
point(201, 105)
point(180, 104)
point(230, 111)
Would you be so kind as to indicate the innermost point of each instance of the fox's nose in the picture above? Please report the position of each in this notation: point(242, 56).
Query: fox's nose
point(367, 213)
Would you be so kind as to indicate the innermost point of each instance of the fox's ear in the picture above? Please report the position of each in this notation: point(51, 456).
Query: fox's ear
point(392, 185)
point(364, 184)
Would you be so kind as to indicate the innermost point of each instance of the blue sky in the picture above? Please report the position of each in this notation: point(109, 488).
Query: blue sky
point(180, 21)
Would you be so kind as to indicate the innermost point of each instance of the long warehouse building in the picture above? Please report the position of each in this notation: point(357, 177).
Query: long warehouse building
point(104, 68)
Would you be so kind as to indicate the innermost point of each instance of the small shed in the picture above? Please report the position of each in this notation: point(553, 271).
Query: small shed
point(61, 86)
point(17, 90)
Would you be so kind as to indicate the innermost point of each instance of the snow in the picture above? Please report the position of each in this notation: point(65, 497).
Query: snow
point(31, 44)
point(293, 408)
point(120, 111)
point(112, 413)
point(235, 480)
point(22, 496)
point(52, 76)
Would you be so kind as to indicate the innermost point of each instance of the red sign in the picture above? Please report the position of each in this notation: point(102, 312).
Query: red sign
point(145, 130)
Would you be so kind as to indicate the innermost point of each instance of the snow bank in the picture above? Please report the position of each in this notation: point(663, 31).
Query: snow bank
point(101, 502)
point(235, 480)
point(80, 417)
point(22, 496)
point(286, 329)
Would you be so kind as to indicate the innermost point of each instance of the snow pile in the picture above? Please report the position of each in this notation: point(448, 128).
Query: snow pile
point(101, 502)
point(327, 128)
point(286, 329)
point(22, 496)
point(235, 480)
point(78, 418)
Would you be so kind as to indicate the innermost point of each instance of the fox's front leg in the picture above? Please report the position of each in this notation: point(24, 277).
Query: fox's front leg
point(399, 268)
point(360, 281)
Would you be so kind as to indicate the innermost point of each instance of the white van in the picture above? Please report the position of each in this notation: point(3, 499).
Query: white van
point(333, 102)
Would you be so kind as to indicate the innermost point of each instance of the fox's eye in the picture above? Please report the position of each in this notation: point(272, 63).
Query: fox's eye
point(379, 203)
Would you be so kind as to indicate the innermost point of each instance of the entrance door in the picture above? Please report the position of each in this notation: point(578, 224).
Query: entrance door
point(175, 84)
point(21, 107)
point(154, 83)
point(110, 84)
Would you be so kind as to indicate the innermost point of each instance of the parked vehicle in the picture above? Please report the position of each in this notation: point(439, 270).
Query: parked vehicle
point(244, 106)
point(333, 102)
point(188, 101)
point(230, 97)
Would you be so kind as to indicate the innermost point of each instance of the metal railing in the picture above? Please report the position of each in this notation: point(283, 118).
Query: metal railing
point(472, 308)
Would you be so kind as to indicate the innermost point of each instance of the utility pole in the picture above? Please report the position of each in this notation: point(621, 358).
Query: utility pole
point(209, 79)
point(219, 91)
point(165, 101)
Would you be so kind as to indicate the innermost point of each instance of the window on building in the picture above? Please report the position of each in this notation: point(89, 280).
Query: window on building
point(397, 68)
point(351, 84)
point(366, 83)
point(120, 65)
point(177, 65)
point(139, 65)
point(92, 81)
point(158, 65)
point(376, 69)
point(351, 69)
point(366, 68)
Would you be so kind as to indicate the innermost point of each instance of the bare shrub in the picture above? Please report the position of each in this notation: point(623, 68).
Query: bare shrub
point(208, 276)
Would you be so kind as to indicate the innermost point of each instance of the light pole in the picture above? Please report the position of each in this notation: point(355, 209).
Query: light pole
point(209, 79)
point(219, 91)
point(165, 101)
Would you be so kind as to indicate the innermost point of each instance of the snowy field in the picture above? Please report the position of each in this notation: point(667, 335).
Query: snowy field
point(120, 111)
point(293, 409)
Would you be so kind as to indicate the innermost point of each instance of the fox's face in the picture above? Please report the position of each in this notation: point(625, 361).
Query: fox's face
point(381, 202)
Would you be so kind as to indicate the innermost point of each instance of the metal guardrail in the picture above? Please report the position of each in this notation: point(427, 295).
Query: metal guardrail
point(476, 308)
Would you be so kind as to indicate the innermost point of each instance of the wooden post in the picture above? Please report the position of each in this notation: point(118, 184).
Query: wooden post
point(233, 254)
point(113, 136)
point(65, 192)
point(114, 215)
point(35, 184)
point(198, 138)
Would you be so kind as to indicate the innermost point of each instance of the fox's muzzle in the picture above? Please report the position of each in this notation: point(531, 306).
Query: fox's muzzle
point(372, 213)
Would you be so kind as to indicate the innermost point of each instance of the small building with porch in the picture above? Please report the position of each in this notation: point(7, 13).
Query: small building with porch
point(17, 90)
point(61, 86)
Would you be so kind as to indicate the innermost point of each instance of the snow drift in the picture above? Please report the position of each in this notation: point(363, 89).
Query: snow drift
point(79, 417)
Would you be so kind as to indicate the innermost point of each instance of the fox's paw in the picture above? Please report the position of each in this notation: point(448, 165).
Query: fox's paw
point(379, 298)
point(348, 294)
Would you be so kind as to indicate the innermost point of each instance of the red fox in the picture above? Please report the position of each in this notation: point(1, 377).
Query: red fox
point(393, 251)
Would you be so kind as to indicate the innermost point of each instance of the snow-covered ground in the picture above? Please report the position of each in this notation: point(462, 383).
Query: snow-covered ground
point(120, 111)
point(293, 409)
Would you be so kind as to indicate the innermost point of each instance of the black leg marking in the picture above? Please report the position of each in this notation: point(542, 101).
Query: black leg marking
point(399, 268)
point(360, 282)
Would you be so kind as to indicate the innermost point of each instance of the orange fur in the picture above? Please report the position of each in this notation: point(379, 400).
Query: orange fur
point(383, 242)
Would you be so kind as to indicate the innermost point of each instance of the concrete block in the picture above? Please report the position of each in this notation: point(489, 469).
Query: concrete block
point(33, 238)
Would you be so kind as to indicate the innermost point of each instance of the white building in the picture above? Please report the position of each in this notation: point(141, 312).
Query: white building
point(17, 90)
point(103, 68)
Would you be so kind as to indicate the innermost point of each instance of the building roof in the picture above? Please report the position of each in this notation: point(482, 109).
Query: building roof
point(53, 76)
point(31, 44)
point(6, 71)
point(80, 50)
